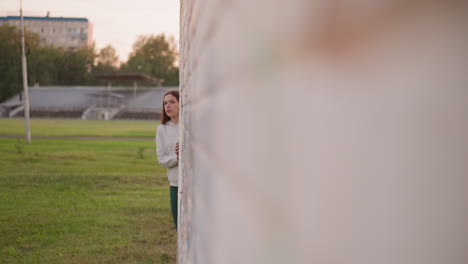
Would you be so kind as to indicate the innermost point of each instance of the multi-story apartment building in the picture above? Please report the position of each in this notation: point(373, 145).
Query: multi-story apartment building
point(68, 32)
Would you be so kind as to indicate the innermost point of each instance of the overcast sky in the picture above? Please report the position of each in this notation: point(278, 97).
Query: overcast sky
point(115, 22)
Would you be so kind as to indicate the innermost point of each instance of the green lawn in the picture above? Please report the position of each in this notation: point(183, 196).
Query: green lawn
point(84, 201)
point(74, 127)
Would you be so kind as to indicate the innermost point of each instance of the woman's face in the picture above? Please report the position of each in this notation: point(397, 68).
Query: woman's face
point(171, 106)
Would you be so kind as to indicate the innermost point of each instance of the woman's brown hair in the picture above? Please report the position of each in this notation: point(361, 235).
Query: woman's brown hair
point(164, 116)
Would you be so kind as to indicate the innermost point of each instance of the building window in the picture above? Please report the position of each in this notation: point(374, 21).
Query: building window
point(42, 30)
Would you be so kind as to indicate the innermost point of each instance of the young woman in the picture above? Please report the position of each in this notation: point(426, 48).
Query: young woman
point(167, 145)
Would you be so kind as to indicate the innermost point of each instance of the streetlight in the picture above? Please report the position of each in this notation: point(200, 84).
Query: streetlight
point(25, 79)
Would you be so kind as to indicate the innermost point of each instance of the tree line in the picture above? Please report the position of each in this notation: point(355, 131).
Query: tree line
point(153, 55)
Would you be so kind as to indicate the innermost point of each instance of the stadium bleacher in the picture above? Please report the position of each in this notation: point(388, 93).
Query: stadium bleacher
point(79, 101)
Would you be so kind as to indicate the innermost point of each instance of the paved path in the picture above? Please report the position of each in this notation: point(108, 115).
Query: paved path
point(80, 137)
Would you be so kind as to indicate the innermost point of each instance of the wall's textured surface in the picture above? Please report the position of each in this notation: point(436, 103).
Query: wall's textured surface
point(324, 132)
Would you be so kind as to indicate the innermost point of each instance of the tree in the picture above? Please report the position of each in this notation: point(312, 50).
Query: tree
point(10, 59)
point(75, 67)
point(43, 65)
point(49, 65)
point(107, 61)
point(155, 56)
point(108, 56)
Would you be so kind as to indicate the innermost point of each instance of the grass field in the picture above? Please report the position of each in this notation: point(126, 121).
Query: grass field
point(73, 127)
point(83, 201)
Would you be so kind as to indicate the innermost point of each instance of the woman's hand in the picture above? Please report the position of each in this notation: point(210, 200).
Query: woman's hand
point(177, 150)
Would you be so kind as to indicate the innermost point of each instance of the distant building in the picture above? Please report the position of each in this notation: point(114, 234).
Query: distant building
point(68, 32)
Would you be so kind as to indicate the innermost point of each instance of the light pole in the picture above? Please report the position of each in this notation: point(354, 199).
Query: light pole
point(25, 79)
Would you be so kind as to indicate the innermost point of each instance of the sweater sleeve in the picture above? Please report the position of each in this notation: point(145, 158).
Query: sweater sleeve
point(165, 159)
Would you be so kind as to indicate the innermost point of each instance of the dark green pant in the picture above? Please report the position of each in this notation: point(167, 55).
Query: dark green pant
point(174, 194)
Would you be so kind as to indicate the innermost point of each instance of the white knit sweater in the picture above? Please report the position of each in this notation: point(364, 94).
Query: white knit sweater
point(167, 136)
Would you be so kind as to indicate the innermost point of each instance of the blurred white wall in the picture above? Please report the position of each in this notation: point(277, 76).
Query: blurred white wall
point(324, 131)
